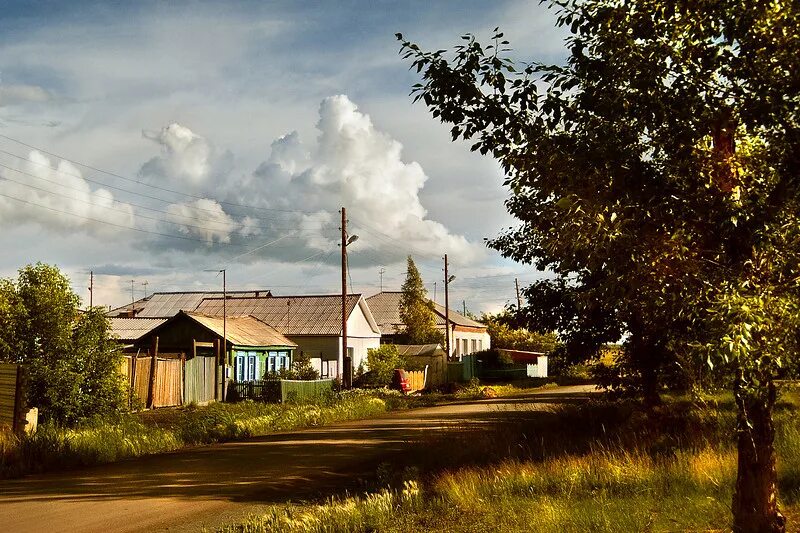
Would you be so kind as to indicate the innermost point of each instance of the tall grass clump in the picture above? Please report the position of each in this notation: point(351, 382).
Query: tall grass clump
point(372, 512)
point(605, 466)
point(131, 435)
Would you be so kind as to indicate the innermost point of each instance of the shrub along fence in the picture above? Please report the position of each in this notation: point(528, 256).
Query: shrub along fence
point(281, 390)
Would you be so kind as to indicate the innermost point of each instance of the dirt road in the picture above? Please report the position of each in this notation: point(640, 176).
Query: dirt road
point(210, 486)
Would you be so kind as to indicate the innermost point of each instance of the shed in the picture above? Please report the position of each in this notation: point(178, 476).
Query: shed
point(253, 346)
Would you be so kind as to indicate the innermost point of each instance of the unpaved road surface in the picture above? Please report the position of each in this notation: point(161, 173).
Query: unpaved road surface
point(209, 486)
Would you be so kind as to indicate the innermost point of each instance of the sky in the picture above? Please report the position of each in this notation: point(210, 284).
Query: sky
point(154, 143)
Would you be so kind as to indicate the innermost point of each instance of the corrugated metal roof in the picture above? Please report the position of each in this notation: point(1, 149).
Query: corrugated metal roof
point(419, 349)
point(291, 315)
point(132, 329)
point(385, 307)
point(243, 330)
point(167, 304)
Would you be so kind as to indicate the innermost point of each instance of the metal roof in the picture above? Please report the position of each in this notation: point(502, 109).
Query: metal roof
point(385, 307)
point(420, 349)
point(167, 304)
point(132, 329)
point(291, 315)
point(242, 330)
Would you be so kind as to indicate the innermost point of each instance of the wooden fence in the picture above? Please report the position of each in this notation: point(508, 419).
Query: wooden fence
point(199, 377)
point(416, 379)
point(436, 368)
point(162, 384)
point(12, 401)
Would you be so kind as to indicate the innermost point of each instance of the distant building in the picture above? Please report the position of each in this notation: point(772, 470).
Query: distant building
point(314, 323)
point(253, 347)
point(168, 304)
point(466, 335)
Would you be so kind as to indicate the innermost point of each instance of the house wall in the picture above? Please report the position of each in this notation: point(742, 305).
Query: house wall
point(323, 351)
point(360, 337)
point(459, 334)
point(177, 337)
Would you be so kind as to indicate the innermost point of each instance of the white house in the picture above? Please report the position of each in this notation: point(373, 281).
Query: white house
point(466, 335)
point(314, 323)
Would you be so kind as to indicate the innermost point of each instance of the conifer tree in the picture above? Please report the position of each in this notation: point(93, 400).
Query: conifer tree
point(416, 310)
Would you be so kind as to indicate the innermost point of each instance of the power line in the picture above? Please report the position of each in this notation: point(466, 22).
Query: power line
point(114, 187)
point(126, 201)
point(117, 225)
point(139, 182)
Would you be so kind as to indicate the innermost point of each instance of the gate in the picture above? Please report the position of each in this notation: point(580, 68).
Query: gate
point(198, 385)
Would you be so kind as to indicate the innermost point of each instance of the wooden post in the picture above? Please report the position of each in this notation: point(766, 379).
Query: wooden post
point(217, 376)
point(132, 389)
point(18, 424)
point(151, 391)
point(183, 372)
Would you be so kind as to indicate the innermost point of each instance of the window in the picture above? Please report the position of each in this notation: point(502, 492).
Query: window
point(465, 346)
point(240, 364)
point(474, 345)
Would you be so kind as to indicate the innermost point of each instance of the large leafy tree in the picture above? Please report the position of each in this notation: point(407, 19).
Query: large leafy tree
point(72, 363)
point(656, 172)
point(416, 310)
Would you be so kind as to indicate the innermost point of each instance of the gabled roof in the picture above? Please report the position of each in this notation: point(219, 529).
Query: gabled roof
point(428, 350)
point(133, 329)
point(167, 304)
point(242, 330)
point(385, 307)
point(291, 315)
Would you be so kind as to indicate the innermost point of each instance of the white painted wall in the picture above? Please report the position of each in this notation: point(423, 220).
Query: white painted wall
point(457, 338)
point(361, 335)
point(539, 370)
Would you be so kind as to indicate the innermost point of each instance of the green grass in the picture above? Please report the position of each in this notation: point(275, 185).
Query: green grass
point(603, 467)
point(133, 435)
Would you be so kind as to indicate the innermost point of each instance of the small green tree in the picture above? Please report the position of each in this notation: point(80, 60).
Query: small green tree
point(382, 363)
point(72, 363)
point(416, 310)
point(301, 369)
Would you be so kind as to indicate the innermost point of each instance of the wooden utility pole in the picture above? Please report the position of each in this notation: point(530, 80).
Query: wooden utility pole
point(91, 288)
point(133, 299)
point(519, 300)
point(224, 328)
point(446, 309)
point(464, 304)
point(346, 364)
point(381, 271)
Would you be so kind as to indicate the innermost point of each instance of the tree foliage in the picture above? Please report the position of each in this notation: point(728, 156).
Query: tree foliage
point(416, 310)
point(382, 363)
point(655, 173)
point(72, 363)
point(504, 334)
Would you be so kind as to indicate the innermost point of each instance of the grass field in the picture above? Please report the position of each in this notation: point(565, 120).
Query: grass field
point(604, 467)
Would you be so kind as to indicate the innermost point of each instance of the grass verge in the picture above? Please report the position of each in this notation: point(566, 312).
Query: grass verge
point(602, 467)
point(131, 435)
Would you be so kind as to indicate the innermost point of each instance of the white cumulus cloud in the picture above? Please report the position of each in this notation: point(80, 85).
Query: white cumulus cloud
point(185, 156)
point(352, 164)
point(203, 218)
point(58, 197)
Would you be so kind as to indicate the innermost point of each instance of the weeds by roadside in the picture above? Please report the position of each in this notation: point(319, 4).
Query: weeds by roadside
point(135, 435)
point(604, 467)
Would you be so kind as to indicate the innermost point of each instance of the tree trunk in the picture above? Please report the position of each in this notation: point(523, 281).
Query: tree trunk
point(755, 502)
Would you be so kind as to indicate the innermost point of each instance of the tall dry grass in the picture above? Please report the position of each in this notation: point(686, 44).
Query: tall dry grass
point(605, 467)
